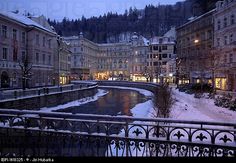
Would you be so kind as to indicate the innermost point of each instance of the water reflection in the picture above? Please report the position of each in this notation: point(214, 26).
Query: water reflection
point(116, 101)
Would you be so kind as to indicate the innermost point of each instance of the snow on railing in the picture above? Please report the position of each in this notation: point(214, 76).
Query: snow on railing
point(102, 135)
point(15, 94)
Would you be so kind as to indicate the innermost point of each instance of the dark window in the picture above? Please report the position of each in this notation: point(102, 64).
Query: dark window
point(37, 57)
point(4, 53)
point(155, 47)
point(156, 63)
point(23, 56)
point(218, 25)
point(226, 40)
point(23, 37)
point(231, 38)
point(164, 47)
point(4, 31)
point(164, 55)
point(225, 22)
point(232, 19)
point(14, 35)
point(44, 40)
point(37, 39)
point(49, 59)
point(43, 58)
point(231, 59)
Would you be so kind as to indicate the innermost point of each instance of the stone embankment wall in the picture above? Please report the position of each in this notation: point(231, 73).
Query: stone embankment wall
point(147, 86)
point(49, 99)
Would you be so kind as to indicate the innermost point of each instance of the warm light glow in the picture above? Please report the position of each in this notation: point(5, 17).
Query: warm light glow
point(63, 80)
point(220, 83)
point(196, 41)
point(170, 75)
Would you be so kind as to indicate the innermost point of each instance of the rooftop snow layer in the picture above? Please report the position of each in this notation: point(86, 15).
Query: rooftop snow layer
point(23, 19)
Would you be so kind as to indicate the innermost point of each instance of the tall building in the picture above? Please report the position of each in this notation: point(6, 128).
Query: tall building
point(138, 58)
point(225, 45)
point(27, 52)
point(161, 58)
point(194, 44)
point(111, 61)
point(64, 61)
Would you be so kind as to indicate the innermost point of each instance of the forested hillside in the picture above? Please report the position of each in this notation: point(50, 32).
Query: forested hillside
point(150, 21)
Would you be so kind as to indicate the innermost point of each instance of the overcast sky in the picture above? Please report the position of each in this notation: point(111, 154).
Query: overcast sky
point(58, 9)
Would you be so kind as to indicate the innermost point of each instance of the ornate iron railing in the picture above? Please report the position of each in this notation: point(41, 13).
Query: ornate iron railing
point(29, 133)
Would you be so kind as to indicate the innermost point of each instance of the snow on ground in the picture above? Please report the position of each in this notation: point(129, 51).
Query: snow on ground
point(187, 107)
point(99, 94)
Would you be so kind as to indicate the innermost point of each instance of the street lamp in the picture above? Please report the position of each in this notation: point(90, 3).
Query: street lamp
point(196, 41)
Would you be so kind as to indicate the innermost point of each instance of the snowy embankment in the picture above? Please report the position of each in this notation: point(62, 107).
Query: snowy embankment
point(142, 110)
point(82, 101)
point(187, 107)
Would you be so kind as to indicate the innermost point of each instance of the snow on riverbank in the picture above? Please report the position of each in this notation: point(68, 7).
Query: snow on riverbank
point(142, 110)
point(187, 107)
point(99, 94)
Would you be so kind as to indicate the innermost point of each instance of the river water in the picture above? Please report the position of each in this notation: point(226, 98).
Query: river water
point(116, 102)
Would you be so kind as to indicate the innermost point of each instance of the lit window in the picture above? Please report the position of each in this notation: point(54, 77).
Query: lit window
point(220, 83)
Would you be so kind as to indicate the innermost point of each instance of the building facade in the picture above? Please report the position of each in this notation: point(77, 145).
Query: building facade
point(64, 61)
point(162, 51)
point(112, 61)
point(194, 50)
point(225, 45)
point(27, 52)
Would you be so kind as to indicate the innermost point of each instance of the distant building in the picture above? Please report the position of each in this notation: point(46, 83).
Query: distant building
point(194, 44)
point(26, 45)
point(161, 58)
point(111, 61)
point(225, 45)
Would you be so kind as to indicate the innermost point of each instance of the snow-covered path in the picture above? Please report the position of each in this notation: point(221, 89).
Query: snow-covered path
point(189, 108)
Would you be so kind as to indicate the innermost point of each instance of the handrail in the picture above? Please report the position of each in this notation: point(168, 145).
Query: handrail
point(110, 118)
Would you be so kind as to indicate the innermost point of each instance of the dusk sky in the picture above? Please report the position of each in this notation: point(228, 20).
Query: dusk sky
point(58, 9)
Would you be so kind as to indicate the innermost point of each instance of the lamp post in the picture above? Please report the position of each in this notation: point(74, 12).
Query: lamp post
point(58, 55)
point(196, 42)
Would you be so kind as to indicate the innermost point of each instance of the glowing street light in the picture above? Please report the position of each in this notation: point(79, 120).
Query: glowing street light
point(196, 41)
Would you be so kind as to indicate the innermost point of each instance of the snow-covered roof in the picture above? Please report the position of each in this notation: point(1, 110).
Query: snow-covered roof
point(162, 40)
point(146, 41)
point(171, 33)
point(23, 20)
point(193, 19)
point(71, 37)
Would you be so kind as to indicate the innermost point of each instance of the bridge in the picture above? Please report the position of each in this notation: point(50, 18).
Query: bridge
point(39, 134)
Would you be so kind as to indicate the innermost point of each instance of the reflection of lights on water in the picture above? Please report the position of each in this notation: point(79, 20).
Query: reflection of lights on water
point(133, 94)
